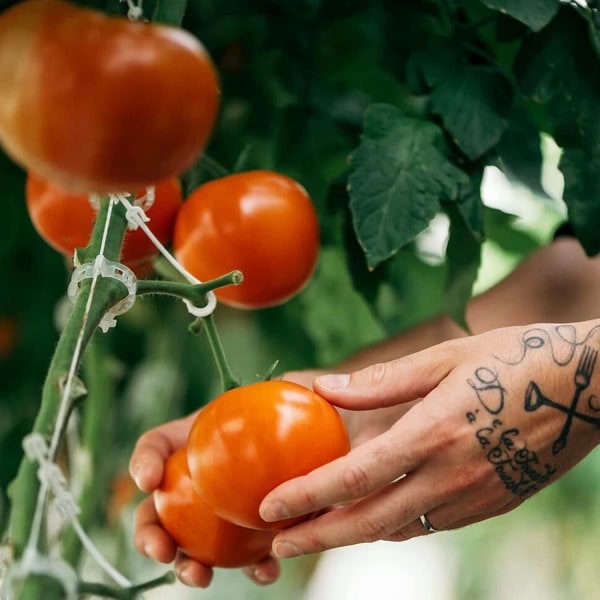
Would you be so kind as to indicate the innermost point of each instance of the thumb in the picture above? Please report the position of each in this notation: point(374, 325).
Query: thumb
point(389, 383)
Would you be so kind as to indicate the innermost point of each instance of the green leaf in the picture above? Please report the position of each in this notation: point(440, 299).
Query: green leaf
point(463, 256)
point(471, 207)
point(520, 152)
point(399, 175)
point(536, 14)
point(559, 67)
point(580, 167)
point(474, 103)
point(170, 12)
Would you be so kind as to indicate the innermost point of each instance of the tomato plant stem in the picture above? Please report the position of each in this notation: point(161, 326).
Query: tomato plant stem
point(100, 389)
point(130, 593)
point(228, 379)
point(196, 294)
point(73, 340)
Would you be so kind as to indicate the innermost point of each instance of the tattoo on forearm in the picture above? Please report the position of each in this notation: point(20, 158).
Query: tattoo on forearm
point(519, 467)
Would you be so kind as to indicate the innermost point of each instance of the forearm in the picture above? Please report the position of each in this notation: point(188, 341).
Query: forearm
point(558, 283)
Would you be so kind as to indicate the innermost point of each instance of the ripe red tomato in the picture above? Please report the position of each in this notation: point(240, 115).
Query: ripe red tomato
point(195, 527)
point(250, 439)
point(65, 219)
point(100, 103)
point(259, 222)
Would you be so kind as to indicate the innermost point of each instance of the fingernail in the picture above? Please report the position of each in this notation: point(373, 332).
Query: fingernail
point(286, 550)
point(274, 511)
point(337, 381)
point(135, 474)
point(148, 550)
point(184, 576)
point(261, 576)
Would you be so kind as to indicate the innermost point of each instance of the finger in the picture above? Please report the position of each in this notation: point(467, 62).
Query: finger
point(365, 469)
point(192, 573)
point(150, 538)
point(304, 378)
point(265, 572)
point(373, 518)
point(153, 448)
point(393, 382)
point(453, 516)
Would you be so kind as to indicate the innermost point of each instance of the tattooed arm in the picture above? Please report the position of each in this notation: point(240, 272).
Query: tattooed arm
point(500, 416)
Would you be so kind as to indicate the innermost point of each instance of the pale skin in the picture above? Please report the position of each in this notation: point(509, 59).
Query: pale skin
point(466, 427)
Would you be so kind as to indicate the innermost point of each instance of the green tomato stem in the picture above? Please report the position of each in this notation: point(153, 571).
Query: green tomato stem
point(228, 379)
point(77, 333)
point(196, 294)
point(129, 593)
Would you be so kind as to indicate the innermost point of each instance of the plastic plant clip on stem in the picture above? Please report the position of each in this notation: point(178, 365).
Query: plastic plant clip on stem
point(136, 217)
point(102, 267)
point(32, 561)
point(135, 11)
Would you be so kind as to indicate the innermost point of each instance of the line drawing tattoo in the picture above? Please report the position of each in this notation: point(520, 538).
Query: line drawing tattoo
point(534, 398)
point(563, 335)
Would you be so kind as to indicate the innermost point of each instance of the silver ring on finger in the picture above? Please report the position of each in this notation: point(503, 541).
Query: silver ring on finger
point(427, 525)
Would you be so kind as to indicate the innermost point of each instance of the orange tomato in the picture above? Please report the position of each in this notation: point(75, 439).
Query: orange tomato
point(197, 530)
point(100, 103)
point(247, 441)
point(259, 222)
point(65, 219)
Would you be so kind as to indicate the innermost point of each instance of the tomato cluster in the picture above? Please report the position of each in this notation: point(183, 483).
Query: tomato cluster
point(242, 445)
point(64, 219)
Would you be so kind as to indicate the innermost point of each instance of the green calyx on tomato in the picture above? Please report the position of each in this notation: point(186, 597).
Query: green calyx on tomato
point(247, 441)
point(260, 222)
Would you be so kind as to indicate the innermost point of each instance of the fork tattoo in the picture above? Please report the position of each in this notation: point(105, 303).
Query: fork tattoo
point(534, 398)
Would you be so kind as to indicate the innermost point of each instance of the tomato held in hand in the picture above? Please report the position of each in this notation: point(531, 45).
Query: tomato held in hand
point(259, 222)
point(65, 219)
point(100, 103)
point(247, 441)
point(197, 530)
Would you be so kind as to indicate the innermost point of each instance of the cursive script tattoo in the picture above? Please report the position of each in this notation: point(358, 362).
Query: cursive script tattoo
point(488, 389)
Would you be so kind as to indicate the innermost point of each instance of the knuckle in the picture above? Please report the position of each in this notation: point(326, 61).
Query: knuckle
point(356, 480)
point(377, 373)
point(370, 529)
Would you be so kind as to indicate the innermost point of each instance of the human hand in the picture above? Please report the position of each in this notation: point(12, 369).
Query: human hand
point(362, 425)
point(502, 415)
point(146, 467)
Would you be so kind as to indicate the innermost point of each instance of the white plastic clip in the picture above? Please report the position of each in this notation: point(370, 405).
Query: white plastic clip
point(34, 563)
point(202, 311)
point(135, 216)
point(135, 12)
point(102, 267)
point(51, 476)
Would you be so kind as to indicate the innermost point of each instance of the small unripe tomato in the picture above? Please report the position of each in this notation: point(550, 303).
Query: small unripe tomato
point(65, 219)
point(100, 103)
point(247, 441)
point(259, 222)
point(196, 529)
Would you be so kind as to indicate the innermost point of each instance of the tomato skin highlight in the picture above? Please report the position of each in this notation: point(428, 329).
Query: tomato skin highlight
point(65, 219)
point(197, 531)
point(100, 103)
point(259, 222)
point(247, 441)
